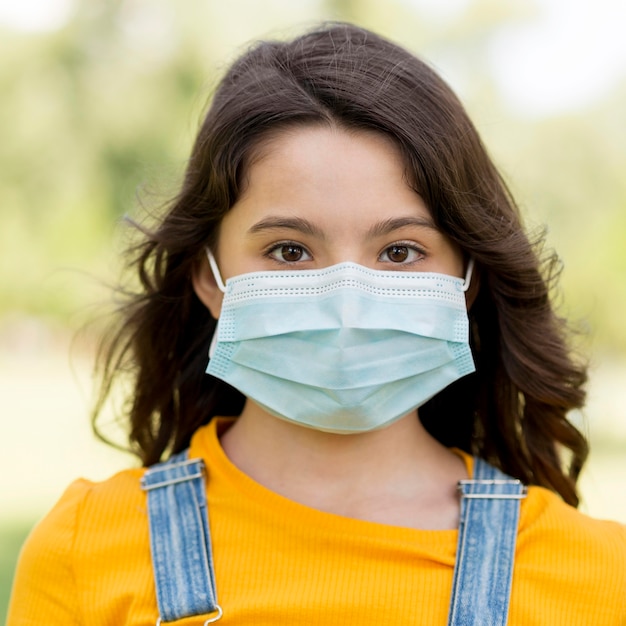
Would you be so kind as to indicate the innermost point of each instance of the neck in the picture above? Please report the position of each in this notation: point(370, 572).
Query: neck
point(367, 475)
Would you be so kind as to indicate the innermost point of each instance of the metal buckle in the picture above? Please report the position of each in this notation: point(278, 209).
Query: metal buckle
point(493, 496)
point(170, 481)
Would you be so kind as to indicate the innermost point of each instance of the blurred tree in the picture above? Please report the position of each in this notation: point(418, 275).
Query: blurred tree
point(84, 115)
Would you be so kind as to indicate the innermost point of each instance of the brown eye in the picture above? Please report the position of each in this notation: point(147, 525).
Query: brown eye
point(398, 254)
point(401, 253)
point(291, 253)
point(288, 253)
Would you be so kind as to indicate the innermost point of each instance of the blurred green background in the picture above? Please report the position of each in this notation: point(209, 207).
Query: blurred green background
point(100, 101)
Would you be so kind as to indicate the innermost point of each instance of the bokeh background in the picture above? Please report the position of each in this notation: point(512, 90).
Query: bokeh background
point(99, 104)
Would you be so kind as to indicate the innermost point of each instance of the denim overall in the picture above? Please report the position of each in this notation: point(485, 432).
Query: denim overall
point(180, 542)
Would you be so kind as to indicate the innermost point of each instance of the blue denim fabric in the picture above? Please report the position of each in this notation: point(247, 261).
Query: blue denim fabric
point(183, 562)
point(490, 505)
point(180, 541)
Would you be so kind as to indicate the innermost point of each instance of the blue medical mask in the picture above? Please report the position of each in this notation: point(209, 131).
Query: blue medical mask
point(344, 349)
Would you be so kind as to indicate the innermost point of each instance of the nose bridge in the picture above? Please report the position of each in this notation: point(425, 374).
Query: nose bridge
point(346, 243)
point(352, 256)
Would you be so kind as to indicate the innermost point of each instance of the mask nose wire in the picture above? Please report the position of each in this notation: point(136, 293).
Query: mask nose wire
point(222, 287)
point(468, 274)
point(216, 271)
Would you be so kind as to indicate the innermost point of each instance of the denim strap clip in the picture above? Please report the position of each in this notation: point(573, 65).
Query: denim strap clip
point(180, 540)
point(487, 489)
point(164, 474)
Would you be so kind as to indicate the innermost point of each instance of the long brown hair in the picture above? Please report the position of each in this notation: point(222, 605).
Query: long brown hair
point(512, 411)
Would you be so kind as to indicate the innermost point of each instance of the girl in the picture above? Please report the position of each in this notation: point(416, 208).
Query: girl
point(380, 435)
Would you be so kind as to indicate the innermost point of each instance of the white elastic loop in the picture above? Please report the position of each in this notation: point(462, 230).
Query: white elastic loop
point(216, 272)
point(468, 274)
point(218, 608)
point(211, 620)
point(213, 344)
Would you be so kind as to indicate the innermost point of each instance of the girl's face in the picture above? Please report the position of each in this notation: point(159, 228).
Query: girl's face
point(316, 196)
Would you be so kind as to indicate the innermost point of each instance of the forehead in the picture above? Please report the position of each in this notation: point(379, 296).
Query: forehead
point(341, 180)
point(325, 159)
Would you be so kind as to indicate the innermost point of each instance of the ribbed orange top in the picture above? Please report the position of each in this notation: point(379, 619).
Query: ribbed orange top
point(282, 563)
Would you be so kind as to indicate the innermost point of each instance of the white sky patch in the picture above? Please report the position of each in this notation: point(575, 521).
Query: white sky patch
point(571, 55)
point(440, 9)
point(35, 15)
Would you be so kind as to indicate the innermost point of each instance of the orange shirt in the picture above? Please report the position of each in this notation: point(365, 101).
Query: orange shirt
point(282, 563)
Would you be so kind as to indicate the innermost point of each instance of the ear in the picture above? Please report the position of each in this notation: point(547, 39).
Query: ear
point(206, 288)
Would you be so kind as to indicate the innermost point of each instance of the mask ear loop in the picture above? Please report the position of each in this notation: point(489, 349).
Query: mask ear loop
point(222, 287)
point(215, 270)
point(468, 275)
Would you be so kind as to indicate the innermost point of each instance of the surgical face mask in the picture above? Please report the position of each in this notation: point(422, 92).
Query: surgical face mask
point(344, 349)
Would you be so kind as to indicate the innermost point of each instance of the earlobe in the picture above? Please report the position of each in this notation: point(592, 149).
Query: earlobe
point(206, 288)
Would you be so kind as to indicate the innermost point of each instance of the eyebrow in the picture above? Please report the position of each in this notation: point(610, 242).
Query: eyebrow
point(290, 223)
point(387, 226)
point(304, 226)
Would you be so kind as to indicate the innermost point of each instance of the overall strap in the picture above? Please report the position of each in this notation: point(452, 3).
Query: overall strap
point(180, 541)
point(481, 588)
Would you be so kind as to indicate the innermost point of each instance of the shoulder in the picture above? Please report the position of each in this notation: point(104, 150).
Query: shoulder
point(89, 506)
point(53, 537)
point(118, 495)
point(109, 517)
point(544, 514)
point(566, 557)
point(92, 529)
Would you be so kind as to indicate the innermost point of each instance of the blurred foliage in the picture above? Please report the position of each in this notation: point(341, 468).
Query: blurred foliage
point(569, 173)
point(12, 536)
point(92, 112)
